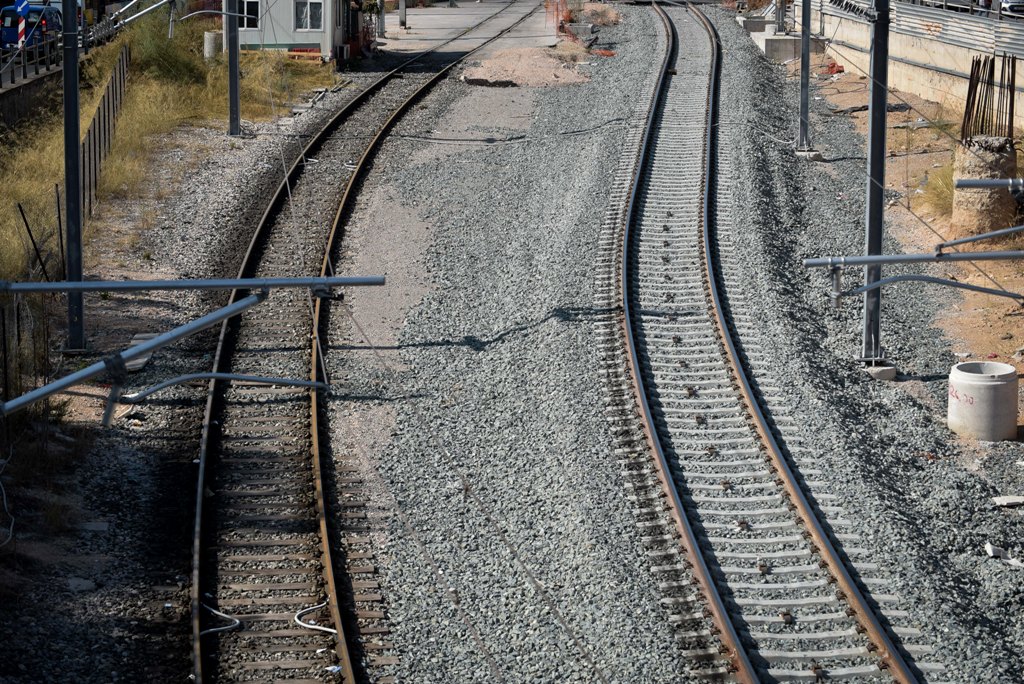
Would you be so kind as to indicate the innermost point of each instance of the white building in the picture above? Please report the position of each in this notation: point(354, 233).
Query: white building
point(329, 29)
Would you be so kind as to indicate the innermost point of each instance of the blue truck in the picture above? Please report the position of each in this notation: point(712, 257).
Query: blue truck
point(42, 23)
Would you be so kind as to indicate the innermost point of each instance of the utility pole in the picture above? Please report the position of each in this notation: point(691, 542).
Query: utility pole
point(875, 215)
point(380, 18)
point(234, 106)
point(804, 148)
point(780, 16)
point(72, 174)
point(401, 14)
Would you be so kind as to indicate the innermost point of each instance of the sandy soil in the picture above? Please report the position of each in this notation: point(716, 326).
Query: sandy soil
point(524, 67)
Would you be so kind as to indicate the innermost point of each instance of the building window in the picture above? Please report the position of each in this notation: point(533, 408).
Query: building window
point(251, 10)
point(309, 15)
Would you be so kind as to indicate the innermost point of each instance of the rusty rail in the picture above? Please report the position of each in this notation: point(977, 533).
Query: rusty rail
point(887, 651)
point(336, 233)
point(744, 671)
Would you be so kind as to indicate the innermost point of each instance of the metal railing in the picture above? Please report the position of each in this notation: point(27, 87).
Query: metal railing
point(963, 23)
point(98, 138)
point(31, 60)
point(45, 55)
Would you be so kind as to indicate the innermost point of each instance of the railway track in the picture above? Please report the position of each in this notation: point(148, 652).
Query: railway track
point(754, 571)
point(269, 539)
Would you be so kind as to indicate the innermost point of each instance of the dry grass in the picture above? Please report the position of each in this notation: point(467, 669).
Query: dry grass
point(570, 51)
point(29, 175)
point(169, 84)
point(172, 85)
point(601, 15)
point(938, 192)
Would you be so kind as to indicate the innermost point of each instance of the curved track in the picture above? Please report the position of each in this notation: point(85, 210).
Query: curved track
point(262, 550)
point(722, 507)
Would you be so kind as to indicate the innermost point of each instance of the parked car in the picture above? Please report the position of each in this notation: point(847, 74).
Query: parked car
point(42, 22)
point(1014, 8)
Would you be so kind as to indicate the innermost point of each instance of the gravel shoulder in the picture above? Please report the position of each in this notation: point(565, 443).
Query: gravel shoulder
point(920, 496)
point(507, 550)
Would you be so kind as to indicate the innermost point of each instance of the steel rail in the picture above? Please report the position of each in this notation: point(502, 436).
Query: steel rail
point(744, 671)
point(248, 263)
point(888, 653)
point(318, 362)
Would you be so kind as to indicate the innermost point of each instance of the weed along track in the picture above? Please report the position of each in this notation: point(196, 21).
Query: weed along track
point(758, 586)
point(272, 598)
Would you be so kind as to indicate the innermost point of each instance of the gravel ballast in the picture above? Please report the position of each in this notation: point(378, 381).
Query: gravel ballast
point(509, 551)
point(920, 499)
point(506, 547)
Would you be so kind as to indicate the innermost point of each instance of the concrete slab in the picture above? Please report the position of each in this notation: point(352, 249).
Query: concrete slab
point(810, 155)
point(782, 47)
point(428, 26)
point(752, 24)
point(881, 372)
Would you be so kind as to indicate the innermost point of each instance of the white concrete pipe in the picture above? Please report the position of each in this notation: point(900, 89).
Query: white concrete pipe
point(983, 400)
point(211, 44)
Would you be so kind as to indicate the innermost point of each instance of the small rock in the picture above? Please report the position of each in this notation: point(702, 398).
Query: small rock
point(881, 372)
point(80, 584)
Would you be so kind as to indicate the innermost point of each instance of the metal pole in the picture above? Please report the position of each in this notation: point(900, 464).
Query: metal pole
point(989, 183)
point(780, 16)
point(401, 14)
point(317, 284)
point(116, 362)
point(884, 259)
point(804, 138)
point(72, 176)
point(875, 217)
point(234, 106)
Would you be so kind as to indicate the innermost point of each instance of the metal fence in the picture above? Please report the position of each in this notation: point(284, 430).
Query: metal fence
point(962, 23)
point(98, 138)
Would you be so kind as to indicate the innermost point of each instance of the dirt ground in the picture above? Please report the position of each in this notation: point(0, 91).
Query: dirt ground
point(527, 67)
point(534, 66)
point(920, 140)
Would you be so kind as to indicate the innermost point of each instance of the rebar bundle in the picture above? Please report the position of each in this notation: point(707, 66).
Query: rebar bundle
point(989, 108)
